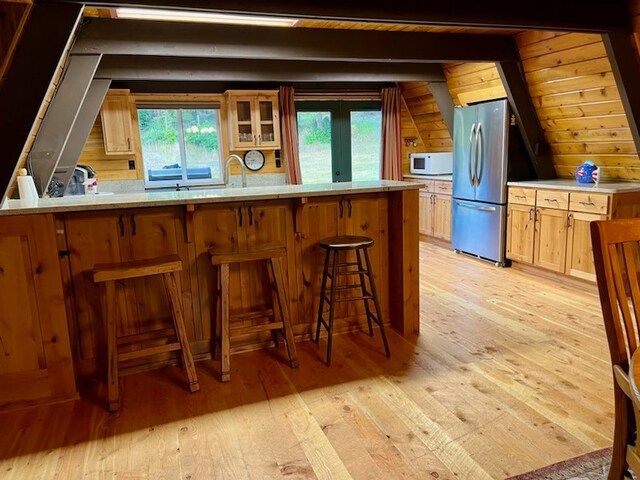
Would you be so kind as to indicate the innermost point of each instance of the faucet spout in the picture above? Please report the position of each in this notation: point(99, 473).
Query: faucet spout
point(243, 169)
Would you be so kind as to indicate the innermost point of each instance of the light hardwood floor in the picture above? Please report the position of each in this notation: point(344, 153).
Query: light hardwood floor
point(510, 373)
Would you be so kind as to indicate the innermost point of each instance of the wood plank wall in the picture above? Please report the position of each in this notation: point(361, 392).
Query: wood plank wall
point(473, 82)
point(116, 167)
point(575, 95)
point(634, 11)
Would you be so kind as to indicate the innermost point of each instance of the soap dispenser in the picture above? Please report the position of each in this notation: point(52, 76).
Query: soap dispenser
point(27, 189)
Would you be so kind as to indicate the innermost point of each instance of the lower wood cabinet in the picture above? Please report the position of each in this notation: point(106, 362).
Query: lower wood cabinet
point(35, 353)
point(237, 228)
point(105, 237)
point(362, 215)
point(550, 228)
point(434, 219)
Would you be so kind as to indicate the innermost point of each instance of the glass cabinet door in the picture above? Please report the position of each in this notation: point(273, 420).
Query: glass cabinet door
point(244, 133)
point(267, 119)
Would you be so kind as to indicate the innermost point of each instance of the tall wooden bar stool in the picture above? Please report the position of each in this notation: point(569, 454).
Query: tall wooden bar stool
point(108, 274)
point(333, 270)
point(271, 257)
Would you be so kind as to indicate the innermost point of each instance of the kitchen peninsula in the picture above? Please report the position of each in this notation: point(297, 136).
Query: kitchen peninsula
point(46, 252)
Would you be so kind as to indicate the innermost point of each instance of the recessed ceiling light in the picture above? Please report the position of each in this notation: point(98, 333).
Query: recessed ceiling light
point(202, 17)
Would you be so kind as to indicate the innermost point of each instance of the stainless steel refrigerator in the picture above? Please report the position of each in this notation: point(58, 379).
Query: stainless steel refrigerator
point(487, 151)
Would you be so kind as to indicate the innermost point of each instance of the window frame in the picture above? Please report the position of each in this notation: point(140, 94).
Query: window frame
point(184, 181)
point(341, 155)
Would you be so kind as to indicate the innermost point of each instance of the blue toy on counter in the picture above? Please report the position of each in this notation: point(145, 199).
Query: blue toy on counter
point(584, 172)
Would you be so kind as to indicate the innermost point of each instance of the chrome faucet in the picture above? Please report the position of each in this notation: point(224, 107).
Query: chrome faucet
point(243, 169)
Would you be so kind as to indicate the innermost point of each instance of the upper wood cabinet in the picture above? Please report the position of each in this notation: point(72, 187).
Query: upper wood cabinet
point(253, 120)
point(117, 129)
point(35, 354)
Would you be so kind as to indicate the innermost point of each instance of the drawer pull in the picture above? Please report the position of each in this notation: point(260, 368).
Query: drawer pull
point(591, 204)
point(551, 200)
point(524, 197)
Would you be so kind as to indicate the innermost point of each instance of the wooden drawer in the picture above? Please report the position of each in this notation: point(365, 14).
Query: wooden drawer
point(428, 184)
point(589, 203)
point(552, 199)
point(522, 196)
point(442, 187)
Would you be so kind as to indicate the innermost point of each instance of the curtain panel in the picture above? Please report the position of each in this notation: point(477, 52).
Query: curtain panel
point(391, 134)
point(289, 135)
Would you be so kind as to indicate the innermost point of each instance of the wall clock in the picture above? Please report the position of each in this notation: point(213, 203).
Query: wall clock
point(254, 160)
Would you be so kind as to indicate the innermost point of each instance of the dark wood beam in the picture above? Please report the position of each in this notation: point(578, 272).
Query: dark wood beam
point(60, 118)
point(527, 119)
point(81, 129)
point(170, 39)
point(124, 67)
point(29, 77)
point(626, 71)
point(568, 15)
point(442, 96)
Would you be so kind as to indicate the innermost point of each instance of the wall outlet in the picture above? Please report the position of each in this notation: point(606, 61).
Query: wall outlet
point(278, 161)
point(132, 164)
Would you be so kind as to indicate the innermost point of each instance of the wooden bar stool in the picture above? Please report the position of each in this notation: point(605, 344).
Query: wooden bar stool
point(333, 246)
point(109, 274)
point(272, 258)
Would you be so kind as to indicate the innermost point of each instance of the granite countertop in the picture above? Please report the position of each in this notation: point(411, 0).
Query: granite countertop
point(445, 178)
point(606, 186)
point(79, 203)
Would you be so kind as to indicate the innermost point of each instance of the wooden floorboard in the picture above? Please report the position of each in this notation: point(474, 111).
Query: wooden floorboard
point(510, 373)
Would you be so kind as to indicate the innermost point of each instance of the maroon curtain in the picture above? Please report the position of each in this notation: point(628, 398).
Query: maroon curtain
point(289, 135)
point(391, 135)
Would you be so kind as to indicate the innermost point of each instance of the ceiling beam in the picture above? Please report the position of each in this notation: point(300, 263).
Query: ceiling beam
point(568, 15)
point(442, 96)
point(124, 67)
point(527, 119)
point(626, 71)
point(171, 39)
point(29, 77)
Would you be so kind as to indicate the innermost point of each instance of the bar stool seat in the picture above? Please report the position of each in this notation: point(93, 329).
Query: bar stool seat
point(271, 256)
point(333, 269)
point(108, 274)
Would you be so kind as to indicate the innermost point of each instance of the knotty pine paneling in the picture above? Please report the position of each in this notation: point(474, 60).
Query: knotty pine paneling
point(473, 82)
point(578, 104)
point(634, 11)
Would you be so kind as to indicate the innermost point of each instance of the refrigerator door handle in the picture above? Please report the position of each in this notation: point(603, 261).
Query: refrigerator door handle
point(475, 207)
point(479, 158)
point(472, 151)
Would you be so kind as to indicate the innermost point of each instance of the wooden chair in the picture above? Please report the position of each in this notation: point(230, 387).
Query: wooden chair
point(616, 250)
point(108, 274)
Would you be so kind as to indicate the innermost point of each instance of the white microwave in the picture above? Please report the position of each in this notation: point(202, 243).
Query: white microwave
point(431, 163)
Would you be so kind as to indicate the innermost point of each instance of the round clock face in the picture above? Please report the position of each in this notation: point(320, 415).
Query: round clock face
point(254, 159)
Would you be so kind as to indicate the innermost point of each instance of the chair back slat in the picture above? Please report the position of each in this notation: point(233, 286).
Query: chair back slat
point(616, 256)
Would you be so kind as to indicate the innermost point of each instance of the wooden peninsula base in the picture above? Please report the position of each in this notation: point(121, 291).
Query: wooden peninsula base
point(51, 310)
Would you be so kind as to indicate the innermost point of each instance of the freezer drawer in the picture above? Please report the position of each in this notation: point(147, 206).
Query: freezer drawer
point(479, 229)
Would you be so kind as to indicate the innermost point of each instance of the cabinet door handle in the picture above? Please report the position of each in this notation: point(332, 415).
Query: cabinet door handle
point(121, 225)
point(350, 208)
point(250, 216)
point(255, 139)
point(341, 208)
point(129, 143)
point(569, 218)
point(240, 216)
point(530, 214)
point(133, 225)
point(259, 139)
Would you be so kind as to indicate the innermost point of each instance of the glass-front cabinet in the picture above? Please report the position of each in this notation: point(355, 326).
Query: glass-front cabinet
point(253, 120)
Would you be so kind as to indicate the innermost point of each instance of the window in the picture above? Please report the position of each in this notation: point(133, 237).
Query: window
point(180, 145)
point(340, 141)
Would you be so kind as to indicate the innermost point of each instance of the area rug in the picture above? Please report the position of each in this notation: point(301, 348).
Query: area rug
point(590, 466)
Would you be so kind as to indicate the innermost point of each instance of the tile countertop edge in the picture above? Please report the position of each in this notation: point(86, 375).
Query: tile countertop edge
point(572, 185)
point(199, 197)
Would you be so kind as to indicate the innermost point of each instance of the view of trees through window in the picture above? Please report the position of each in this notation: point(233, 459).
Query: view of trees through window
point(339, 141)
point(180, 145)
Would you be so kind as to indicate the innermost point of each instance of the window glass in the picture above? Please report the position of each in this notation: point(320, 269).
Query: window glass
point(339, 141)
point(180, 145)
point(366, 151)
point(314, 138)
